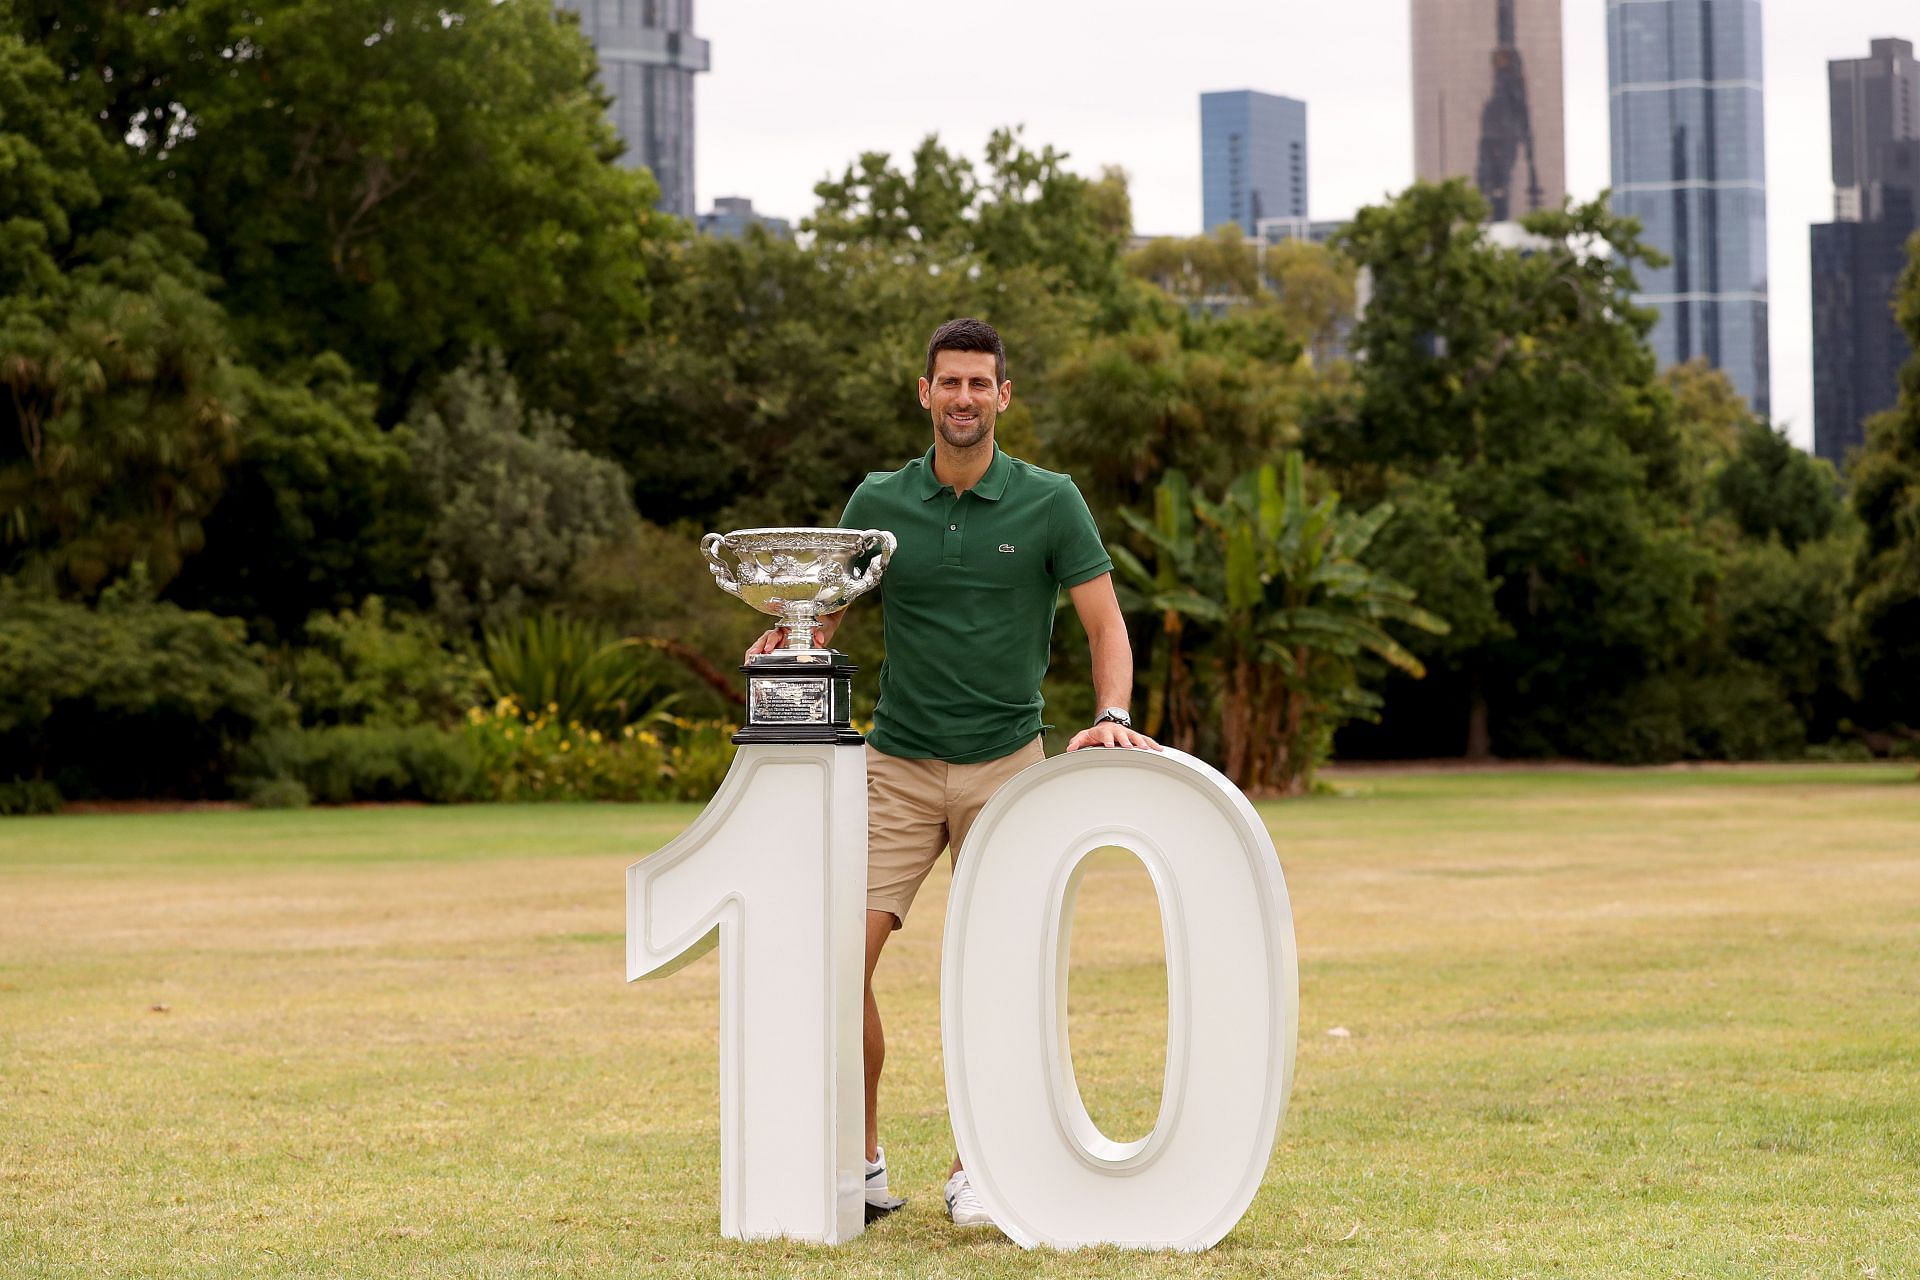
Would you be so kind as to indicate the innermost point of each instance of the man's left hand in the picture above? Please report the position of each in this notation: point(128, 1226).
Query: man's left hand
point(1109, 733)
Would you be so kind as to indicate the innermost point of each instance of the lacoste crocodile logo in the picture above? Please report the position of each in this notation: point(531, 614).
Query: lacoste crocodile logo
point(1006, 548)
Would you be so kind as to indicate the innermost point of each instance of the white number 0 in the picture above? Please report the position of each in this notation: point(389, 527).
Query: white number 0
point(784, 842)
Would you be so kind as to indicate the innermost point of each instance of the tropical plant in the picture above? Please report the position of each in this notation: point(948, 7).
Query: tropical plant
point(569, 671)
point(1270, 591)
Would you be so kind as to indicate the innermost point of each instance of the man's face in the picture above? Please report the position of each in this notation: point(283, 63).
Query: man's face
point(963, 397)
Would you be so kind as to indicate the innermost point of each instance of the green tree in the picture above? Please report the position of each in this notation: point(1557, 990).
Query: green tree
point(1211, 398)
point(1308, 286)
point(1286, 607)
point(117, 417)
point(751, 408)
point(319, 511)
point(1769, 488)
point(1518, 381)
point(516, 505)
point(395, 180)
point(1884, 630)
point(1025, 210)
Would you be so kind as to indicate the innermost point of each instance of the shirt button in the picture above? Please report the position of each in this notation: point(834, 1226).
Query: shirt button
point(954, 528)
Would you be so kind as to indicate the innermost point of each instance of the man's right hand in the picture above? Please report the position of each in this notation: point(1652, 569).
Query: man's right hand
point(777, 638)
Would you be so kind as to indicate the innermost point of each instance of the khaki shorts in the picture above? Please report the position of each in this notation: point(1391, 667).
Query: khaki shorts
point(916, 808)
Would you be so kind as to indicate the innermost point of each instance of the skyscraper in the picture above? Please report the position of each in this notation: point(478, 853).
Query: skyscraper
point(1689, 162)
point(1487, 100)
point(648, 58)
point(1857, 258)
point(1253, 158)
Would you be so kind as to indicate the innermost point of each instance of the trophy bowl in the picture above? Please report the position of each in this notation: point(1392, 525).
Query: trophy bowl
point(798, 575)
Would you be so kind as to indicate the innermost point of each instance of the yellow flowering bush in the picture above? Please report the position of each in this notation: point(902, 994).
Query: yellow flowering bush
point(535, 755)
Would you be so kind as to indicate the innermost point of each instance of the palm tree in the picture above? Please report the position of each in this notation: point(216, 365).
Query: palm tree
point(1285, 607)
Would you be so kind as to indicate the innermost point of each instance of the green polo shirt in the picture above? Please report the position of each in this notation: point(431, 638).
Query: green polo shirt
point(970, 597)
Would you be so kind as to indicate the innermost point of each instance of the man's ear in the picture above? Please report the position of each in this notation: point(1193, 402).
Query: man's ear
point(1006, 393)
point(926, 394)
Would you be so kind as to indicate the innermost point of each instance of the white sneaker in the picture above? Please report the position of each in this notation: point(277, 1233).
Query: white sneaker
point(879, 1202)
point(963, 1203)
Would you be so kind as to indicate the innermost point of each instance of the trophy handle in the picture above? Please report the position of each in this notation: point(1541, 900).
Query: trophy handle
point(869, 577)
point(722, 571)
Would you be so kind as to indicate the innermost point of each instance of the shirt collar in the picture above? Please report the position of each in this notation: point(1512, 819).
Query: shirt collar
point(991, 486)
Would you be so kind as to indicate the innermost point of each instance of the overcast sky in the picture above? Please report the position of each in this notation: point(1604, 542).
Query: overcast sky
point(798, 90)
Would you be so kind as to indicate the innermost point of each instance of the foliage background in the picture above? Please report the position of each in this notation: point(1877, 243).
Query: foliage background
point(333, 339)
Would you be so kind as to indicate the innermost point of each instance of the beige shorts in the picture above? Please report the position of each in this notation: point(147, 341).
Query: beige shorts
point(916, 808)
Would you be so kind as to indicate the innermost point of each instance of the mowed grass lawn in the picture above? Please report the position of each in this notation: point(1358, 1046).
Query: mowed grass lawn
point(1660, 1023)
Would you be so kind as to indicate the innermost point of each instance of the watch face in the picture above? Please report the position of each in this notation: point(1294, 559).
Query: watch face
point(1118, 716)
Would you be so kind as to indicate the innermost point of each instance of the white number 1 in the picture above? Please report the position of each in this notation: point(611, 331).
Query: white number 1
point(775, 871)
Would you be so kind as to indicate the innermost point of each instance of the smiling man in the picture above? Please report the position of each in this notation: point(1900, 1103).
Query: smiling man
point(986, 544)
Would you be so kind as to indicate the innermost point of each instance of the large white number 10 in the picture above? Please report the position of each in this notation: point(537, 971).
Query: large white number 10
point(784, 842)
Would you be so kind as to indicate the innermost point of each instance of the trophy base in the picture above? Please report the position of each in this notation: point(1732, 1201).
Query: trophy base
point(801, 696)
point(757, 735)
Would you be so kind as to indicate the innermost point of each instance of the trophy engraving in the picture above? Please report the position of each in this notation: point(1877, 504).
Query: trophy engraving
point(798, 693)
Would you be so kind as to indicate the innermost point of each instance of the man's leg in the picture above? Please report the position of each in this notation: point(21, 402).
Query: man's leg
point(906, 830)
point(970, 786)
point(879, 929)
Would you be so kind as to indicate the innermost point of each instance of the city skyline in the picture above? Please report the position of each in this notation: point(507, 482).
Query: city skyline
point(1080, 87)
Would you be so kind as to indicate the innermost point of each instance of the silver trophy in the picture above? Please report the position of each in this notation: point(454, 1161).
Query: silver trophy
point(799, 693)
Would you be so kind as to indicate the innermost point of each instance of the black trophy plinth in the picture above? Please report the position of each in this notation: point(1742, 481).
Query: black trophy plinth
point(799, 695)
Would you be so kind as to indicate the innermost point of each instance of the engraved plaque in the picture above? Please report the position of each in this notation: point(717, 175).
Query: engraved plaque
point(789, 701)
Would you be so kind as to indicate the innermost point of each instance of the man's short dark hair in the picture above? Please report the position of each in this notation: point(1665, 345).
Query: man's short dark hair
point(968, 335)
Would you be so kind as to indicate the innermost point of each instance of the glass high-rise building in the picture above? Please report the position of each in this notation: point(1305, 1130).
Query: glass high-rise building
point(1487, 100)
point(1253, 158)
point(1858, 257)
point(1689, 162)
point(648, 58)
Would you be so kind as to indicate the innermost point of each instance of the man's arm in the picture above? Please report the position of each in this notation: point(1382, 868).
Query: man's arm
point(1106, 631)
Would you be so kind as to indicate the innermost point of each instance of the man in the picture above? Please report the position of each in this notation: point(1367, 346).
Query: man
point(985, 544)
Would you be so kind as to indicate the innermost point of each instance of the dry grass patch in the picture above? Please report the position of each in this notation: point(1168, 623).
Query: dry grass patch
point(1599, 1023)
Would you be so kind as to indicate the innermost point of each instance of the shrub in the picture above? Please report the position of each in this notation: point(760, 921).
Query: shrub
point(342, 763)
point(28, 795)
point(276, 793)
point(576, 671)
point(132, 698)
point(371, 666)
point(701, 754)
point(540, 757)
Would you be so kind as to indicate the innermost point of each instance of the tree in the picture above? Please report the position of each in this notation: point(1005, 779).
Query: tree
point(1026, 211)
point(396, 180)
point(117, 417)
point(751, 408)
point(516, 505)
point(1884, 631)
point(1769, 488)
point(1309, 287)
point(1286, 607)
point(319, 511)
point(1210, 398)
point(1518, 381)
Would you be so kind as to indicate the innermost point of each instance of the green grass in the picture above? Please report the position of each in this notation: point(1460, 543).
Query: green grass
point(1601, 1022)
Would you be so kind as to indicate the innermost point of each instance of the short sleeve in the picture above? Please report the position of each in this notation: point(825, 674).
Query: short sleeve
point(852, 517)
point(1077, 553)
point(859, 515)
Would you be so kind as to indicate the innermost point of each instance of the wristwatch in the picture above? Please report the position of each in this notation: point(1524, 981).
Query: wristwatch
point(1116, 714)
